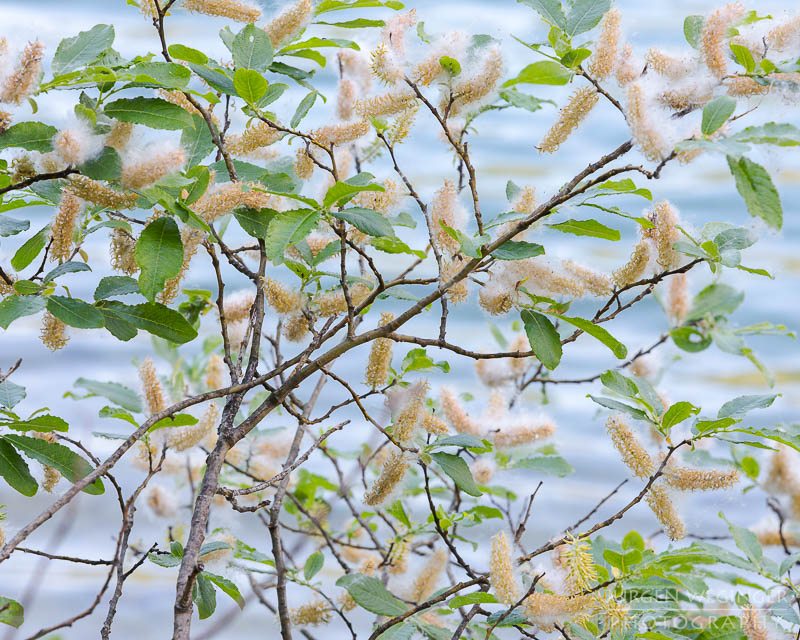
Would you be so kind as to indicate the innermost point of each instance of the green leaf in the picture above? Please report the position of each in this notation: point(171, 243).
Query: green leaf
point(111, 286)
point(782, 135)
point(747, 542)
point(337, 5)
point(690, 339)
point(30, 249)
point(542, 72)
point(523, 100)
point(619, 383)
point(40, 423)
point(716, 113)
point(181, 52)
point(390, 244)
point(677, 413)
point(78, 51)
point(633, 540)
point(314, 43)
point(72, 466)
point(217, 78)
point(11, 612)
point(303, 108)
point(554, 465)
point(11, 226)
point(250, 85)
point(13, 307)
point(33, 136)
point(119, 394)
point(151, 112)
point(615, 405)
point(518, 250)
point(366, 220)
point(479, 597)
point(739, 407)
point(550, 10)
point(313, 565)
point(371, 594)
point(197, 142)
point(587, 228)
point(585, 15)
point(75, 313)
point(165, 74)
point(15, 470)
point(451, 65)
point(543, 338)
point(66, 267)
point(204, 596)
point(358, 23)
point(458, 470)
point(227, 587)
point(11, 394)
point(460, 440)
point(341, 192)
point(574, 57)
point(598, 332)
point(754, 184)
point(743, 57)
point(692, 30)
point(159, 254)
point(255, 222)
point(716, 299)
point(155, 318)
point(251, 49)
point(287, 228)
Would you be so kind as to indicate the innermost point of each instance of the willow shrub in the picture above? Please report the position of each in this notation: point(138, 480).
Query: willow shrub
point(185, 164)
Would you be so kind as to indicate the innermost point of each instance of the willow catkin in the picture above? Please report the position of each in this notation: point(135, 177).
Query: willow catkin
point(576, 558)
point(215, 372)
point(400, 128)
point(549, 609)
point(429, 576)
point(785, 36)
point(303, 164)
point(387, 104)
point(384, 65)
point(380, 357)
point(53, 332)
point(330, 303)
point(100, 194)
point(146, 167)
point(232, 9)
point(392, 474)
point(633, 454)
point(122, 248)
point(459, 419)
point(459, 291)
point(574, 112)
point(713, 51)
point(224, 198)
point(483, 471)
point(501, 571)
point(76, 144)
point(660, 503)
point(665, 234)
point(687, 479)
point(346, 98)
point(295, 327)
point(311, 613)
point(753, 624)
point(446, 209)
point(253, 138)
point(468, 92)
point(153, 394)
point(517, 435)
point(162, 502)
point(634, 268)
point(282, 28)
point(678, 298)
point(183, 438)
point(25, 78)
point(746, 87)
point(238, 305)
point(62, 228)
point(667, 65)
point(5, 120)
point(337, 134)
point(120, 135)
point(594, 282)
point(645, 133)
point(51, 478)
point(433, 424)
point(601, 64)
point(281, 298)
point(410, 412)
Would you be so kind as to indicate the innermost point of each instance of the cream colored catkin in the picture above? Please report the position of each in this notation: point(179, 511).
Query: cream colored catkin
point(232, 9)
point(501, 571)
point(632, 452)
point(601, 64)
point(392, 474)
point(53, 333)
point(380, 357)
point(62, 228)
point(153, 393)
point(429, 576)
point(282, 28)
point(25, 77)
point(574, 112)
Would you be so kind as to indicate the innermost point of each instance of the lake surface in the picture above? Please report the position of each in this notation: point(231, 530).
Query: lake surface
point(503, 150)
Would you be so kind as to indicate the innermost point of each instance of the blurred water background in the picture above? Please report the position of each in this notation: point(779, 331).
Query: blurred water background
point(502, 150)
